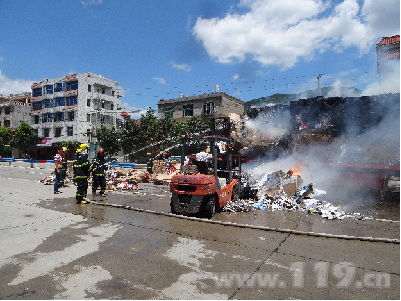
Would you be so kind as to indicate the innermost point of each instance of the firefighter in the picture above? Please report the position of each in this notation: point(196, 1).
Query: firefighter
point(149, 162)
point(65, 166)
point(81, 173)
point(98, 168)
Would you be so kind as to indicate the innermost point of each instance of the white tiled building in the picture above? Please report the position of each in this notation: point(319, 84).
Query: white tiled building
point(73, 107)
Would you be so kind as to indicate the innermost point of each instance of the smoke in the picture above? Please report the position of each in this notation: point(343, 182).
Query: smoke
point(389, 81)
point(276, 121)
point(370, 136)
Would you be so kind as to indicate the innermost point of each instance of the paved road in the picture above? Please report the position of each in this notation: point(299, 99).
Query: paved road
point(52, 248)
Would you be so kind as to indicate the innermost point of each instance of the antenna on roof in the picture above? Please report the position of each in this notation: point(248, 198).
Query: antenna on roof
point(217, 89)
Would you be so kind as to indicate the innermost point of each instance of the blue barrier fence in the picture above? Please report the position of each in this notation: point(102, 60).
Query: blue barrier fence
point(116, 164)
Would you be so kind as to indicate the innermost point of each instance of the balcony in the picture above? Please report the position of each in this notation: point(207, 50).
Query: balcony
point(71, 93)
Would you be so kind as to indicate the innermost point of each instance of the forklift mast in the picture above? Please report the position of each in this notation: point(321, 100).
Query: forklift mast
point(220, 130)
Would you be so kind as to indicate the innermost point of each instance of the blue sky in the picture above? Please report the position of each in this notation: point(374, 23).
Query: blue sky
point(158, 49)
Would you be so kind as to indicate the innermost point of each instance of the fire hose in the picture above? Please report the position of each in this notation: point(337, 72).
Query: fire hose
point(247, 226)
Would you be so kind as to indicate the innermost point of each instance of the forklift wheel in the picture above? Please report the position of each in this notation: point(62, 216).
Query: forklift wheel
point(172, 208)
point(210, 208)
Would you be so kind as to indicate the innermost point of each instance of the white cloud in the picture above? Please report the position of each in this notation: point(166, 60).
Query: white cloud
point(88, 3)
point(160, 80)
point(382, 16)
point(14, 86)
point(281, 33)
point(183, 67)
point(235, 76)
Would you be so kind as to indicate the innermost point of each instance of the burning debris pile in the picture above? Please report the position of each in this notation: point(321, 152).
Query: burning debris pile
point(282, 191)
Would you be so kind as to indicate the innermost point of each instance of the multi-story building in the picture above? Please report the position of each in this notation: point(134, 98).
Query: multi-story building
point(388, 56)
point(214, 105)
point(14, 109)
point(73, 107)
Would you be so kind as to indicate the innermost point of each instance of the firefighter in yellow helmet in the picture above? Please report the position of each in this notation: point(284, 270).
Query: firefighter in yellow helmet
point(65, 166)
point(98, 168)
point(81, 173)
point(149, 162)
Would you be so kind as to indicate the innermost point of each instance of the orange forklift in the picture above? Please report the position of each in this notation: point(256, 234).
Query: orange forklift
point(205, 194)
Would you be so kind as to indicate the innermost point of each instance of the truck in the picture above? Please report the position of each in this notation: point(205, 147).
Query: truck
point(206, 194)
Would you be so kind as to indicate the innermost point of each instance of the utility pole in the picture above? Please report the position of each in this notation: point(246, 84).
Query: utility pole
point(319, 90)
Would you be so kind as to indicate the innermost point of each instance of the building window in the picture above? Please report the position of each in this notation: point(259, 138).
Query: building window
point(88, 102)
point(168, 112)
point(188, 110)
point(46, 133)
point(70, 131)
point(102, 104)
point(48, 103)
point(71, 86)
point(103, 90)
point(7, 110)
point(59, 116)
point(208, 108)
point(71, 116)
point(58, 87)
point(88, 117)
point(47, 117)
point(36, 106)
point(36, 92)
point(49, 89)
point(7, 123)
point(36, 119)
point(59, 102)
point(71, 101)
point(102, 119)
point(57, 133)
point(89, 88)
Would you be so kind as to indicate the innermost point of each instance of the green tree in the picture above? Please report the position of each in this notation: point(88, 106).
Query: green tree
point(130, 136)
point(109, 139)
point(5, 142)
point(25, 137)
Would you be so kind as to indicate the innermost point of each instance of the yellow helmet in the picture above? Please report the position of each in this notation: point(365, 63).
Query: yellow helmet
point(79, 150)
point(83, 146)
point(64, 149)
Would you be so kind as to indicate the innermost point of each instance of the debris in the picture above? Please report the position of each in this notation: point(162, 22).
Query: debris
point(281, 191)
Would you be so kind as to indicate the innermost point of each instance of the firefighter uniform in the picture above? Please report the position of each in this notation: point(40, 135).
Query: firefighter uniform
point(149, 163)
point(81, 173)
point(64, 168)
point(98, 168)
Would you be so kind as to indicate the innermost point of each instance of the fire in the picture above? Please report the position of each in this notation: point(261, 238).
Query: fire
point(296, 170)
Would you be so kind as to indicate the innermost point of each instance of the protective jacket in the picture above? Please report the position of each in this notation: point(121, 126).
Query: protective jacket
point(98, 167)
point(81, 166)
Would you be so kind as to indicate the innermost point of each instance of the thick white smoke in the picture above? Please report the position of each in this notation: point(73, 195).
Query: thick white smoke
point(375, 145)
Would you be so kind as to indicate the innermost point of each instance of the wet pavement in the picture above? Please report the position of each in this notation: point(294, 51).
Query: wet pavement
point(52, 248)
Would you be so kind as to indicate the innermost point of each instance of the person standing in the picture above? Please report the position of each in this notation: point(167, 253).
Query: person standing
point(81, 173)
point(149, 163)
point(202, 160)
point(98, 168)
point(65, 166)
point(58, 165)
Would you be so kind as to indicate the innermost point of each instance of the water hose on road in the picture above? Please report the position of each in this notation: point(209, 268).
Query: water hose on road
point(247, 226)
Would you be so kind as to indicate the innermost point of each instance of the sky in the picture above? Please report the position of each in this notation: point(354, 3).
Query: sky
point(159, 49)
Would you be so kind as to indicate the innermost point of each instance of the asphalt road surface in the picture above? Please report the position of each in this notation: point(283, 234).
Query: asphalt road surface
point(52, 248)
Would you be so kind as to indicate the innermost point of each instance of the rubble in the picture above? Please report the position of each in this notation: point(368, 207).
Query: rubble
point(122, 179)
point(281, 191)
